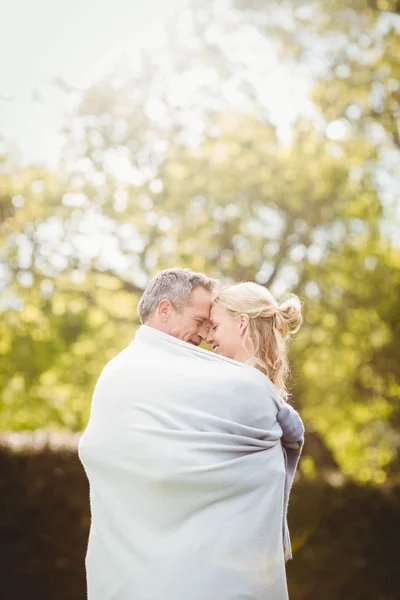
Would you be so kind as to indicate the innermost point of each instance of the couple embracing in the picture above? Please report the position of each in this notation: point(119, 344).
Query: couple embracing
point(191, 454)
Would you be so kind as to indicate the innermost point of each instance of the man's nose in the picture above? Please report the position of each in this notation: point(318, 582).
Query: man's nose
point(203, 332)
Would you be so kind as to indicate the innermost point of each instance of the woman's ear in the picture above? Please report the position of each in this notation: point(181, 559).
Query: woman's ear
point(243, 323)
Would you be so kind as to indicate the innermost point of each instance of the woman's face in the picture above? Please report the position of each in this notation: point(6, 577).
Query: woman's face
point(226, 333)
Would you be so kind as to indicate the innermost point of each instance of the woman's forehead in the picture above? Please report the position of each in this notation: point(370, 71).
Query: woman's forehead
point(217, 312)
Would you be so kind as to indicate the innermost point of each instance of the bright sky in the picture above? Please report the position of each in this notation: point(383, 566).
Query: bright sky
point(76, 40)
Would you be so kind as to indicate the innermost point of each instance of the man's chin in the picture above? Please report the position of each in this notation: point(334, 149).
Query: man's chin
point(194, 343)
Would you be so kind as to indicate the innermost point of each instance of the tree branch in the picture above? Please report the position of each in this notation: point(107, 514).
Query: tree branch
point(127, 286)
point(283, 248)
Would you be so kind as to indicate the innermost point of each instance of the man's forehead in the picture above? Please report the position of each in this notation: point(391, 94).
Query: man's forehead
point(201, 302)
point(201, 296)
point(202, 311)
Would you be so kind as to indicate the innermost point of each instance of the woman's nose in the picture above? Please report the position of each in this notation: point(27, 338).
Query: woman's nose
point(209, 337)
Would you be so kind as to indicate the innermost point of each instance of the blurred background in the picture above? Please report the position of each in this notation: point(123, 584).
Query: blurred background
point(250, 139)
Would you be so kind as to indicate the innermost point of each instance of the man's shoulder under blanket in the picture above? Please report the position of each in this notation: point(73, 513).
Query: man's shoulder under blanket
point(214, 385)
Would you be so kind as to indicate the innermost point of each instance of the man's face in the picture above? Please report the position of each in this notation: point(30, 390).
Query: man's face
point(190, 325)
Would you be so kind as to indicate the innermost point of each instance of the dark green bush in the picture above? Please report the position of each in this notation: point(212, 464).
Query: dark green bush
point(345, 539)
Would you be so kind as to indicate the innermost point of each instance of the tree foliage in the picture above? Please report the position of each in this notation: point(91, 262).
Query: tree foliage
point(179, 164)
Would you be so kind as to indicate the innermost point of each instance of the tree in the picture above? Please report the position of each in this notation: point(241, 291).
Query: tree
point(152, 178)
point(352, 54)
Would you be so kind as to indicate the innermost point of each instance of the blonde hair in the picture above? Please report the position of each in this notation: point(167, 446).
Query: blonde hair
point(270, 325)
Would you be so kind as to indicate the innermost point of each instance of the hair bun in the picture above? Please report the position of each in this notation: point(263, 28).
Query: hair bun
point(290, 313)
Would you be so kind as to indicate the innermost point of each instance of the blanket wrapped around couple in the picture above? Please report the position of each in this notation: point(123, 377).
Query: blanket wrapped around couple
point(190, 473)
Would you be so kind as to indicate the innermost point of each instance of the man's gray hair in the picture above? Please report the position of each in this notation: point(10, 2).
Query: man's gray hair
point(175, 285)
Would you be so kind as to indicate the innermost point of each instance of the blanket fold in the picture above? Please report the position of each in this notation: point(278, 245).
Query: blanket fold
point(190, 458)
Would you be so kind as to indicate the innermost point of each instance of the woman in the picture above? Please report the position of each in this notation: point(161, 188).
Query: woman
point(248, 325)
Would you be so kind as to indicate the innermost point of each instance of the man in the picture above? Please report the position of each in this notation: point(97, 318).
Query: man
point(178, 302)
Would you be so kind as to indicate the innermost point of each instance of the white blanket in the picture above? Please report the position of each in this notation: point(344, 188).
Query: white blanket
point(187, 477)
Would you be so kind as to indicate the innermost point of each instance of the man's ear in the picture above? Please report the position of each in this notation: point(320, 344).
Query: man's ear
point(164, 308)
point(243, 323)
